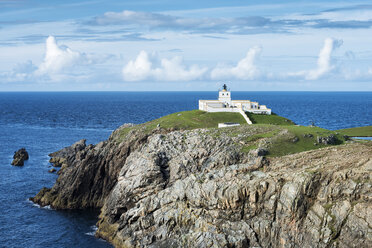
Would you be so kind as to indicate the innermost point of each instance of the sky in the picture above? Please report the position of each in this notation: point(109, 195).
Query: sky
point(165, 45)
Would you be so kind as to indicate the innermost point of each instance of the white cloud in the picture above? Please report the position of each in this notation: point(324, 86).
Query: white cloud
point(144, 67)
point(21, 72)
point(245, 69)
point(58, 59)
point(324, 64)
point(139, 69)
point(59, 63)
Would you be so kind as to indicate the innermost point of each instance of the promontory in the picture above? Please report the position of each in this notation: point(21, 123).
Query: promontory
point(179, 181)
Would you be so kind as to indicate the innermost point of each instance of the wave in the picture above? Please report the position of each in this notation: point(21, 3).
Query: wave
point(48, 207)
point(94, 229)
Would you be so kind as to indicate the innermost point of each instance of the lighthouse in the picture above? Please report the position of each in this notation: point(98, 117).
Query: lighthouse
point(225, 104)
point(224, 96)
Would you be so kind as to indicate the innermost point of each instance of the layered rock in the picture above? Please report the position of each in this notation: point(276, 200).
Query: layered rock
point(314, 199)
point(163, 188)
point(19, 157)
point(88, 173)
point(59, 158)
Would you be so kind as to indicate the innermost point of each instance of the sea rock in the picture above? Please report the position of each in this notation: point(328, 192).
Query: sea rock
point(52, 170)
point(19, 157)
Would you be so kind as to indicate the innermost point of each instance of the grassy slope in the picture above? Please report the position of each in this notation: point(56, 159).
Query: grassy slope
point(186, 120)
point(357, 131)
point(195, 119)
point(284, 144)
point(269, 119)
point(284, 137)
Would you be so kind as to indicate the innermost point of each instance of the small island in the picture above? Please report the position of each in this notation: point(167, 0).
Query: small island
point(180, 181)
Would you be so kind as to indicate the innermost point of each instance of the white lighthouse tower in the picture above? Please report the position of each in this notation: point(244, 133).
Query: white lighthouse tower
point(225, 96)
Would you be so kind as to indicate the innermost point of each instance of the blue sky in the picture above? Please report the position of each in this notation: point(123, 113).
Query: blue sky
point(185, 45)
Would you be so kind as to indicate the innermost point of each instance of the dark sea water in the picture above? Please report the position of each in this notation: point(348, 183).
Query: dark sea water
point(46, 122)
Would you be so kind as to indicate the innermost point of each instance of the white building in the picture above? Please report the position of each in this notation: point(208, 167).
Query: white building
point(225, 104)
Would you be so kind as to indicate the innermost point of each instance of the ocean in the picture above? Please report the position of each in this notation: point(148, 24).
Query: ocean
point(44, 122)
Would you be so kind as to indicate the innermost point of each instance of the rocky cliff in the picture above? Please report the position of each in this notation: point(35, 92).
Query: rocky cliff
point(213, 188)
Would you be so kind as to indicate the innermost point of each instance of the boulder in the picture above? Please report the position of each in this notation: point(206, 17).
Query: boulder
point(19, 157)
point(328, 140)
point(260, 152)
point(52, 170)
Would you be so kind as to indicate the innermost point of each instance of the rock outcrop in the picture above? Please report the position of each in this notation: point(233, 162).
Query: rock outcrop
point(19, 157)
point(88, 173)
point(329, 140)
point(59, 158)
point(198, 188)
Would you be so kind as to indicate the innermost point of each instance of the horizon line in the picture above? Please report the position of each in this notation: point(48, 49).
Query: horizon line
point(71, 91)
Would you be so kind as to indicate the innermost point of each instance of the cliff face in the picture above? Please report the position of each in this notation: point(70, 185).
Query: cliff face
point(88, 173)
point(199, 189)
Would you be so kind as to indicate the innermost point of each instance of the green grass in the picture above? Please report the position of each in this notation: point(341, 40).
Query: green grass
point(357, 131)
point(282, 136)
point(290, 139)
point(248, 148)
point(195, 119)
point(258, 136)
point(185, 120)
point(284, 144)
point(272, 119)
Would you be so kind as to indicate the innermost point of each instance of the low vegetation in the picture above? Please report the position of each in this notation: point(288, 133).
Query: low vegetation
point(185, 120)
point(294, 139)
point(194, 119)
point(357, 131)
point(277, 135)
point(272, 119)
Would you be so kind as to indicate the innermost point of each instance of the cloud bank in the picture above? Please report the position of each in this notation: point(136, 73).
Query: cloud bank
point(146, 67)
point(230, 25)
point(61, 63)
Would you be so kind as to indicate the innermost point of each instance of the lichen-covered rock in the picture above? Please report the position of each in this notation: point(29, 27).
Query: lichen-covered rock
point(311, 199)
point(88, 173)
point(19, 157)
point(59, 158)
point(199, 189)
point(328, 140)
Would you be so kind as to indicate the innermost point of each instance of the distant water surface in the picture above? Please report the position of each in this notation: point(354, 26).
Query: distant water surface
point(46, 122)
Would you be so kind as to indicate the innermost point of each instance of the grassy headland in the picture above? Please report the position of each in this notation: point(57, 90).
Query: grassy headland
point(195, 119)
point(278, 135)
point(185, 120)
point(357, 131)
